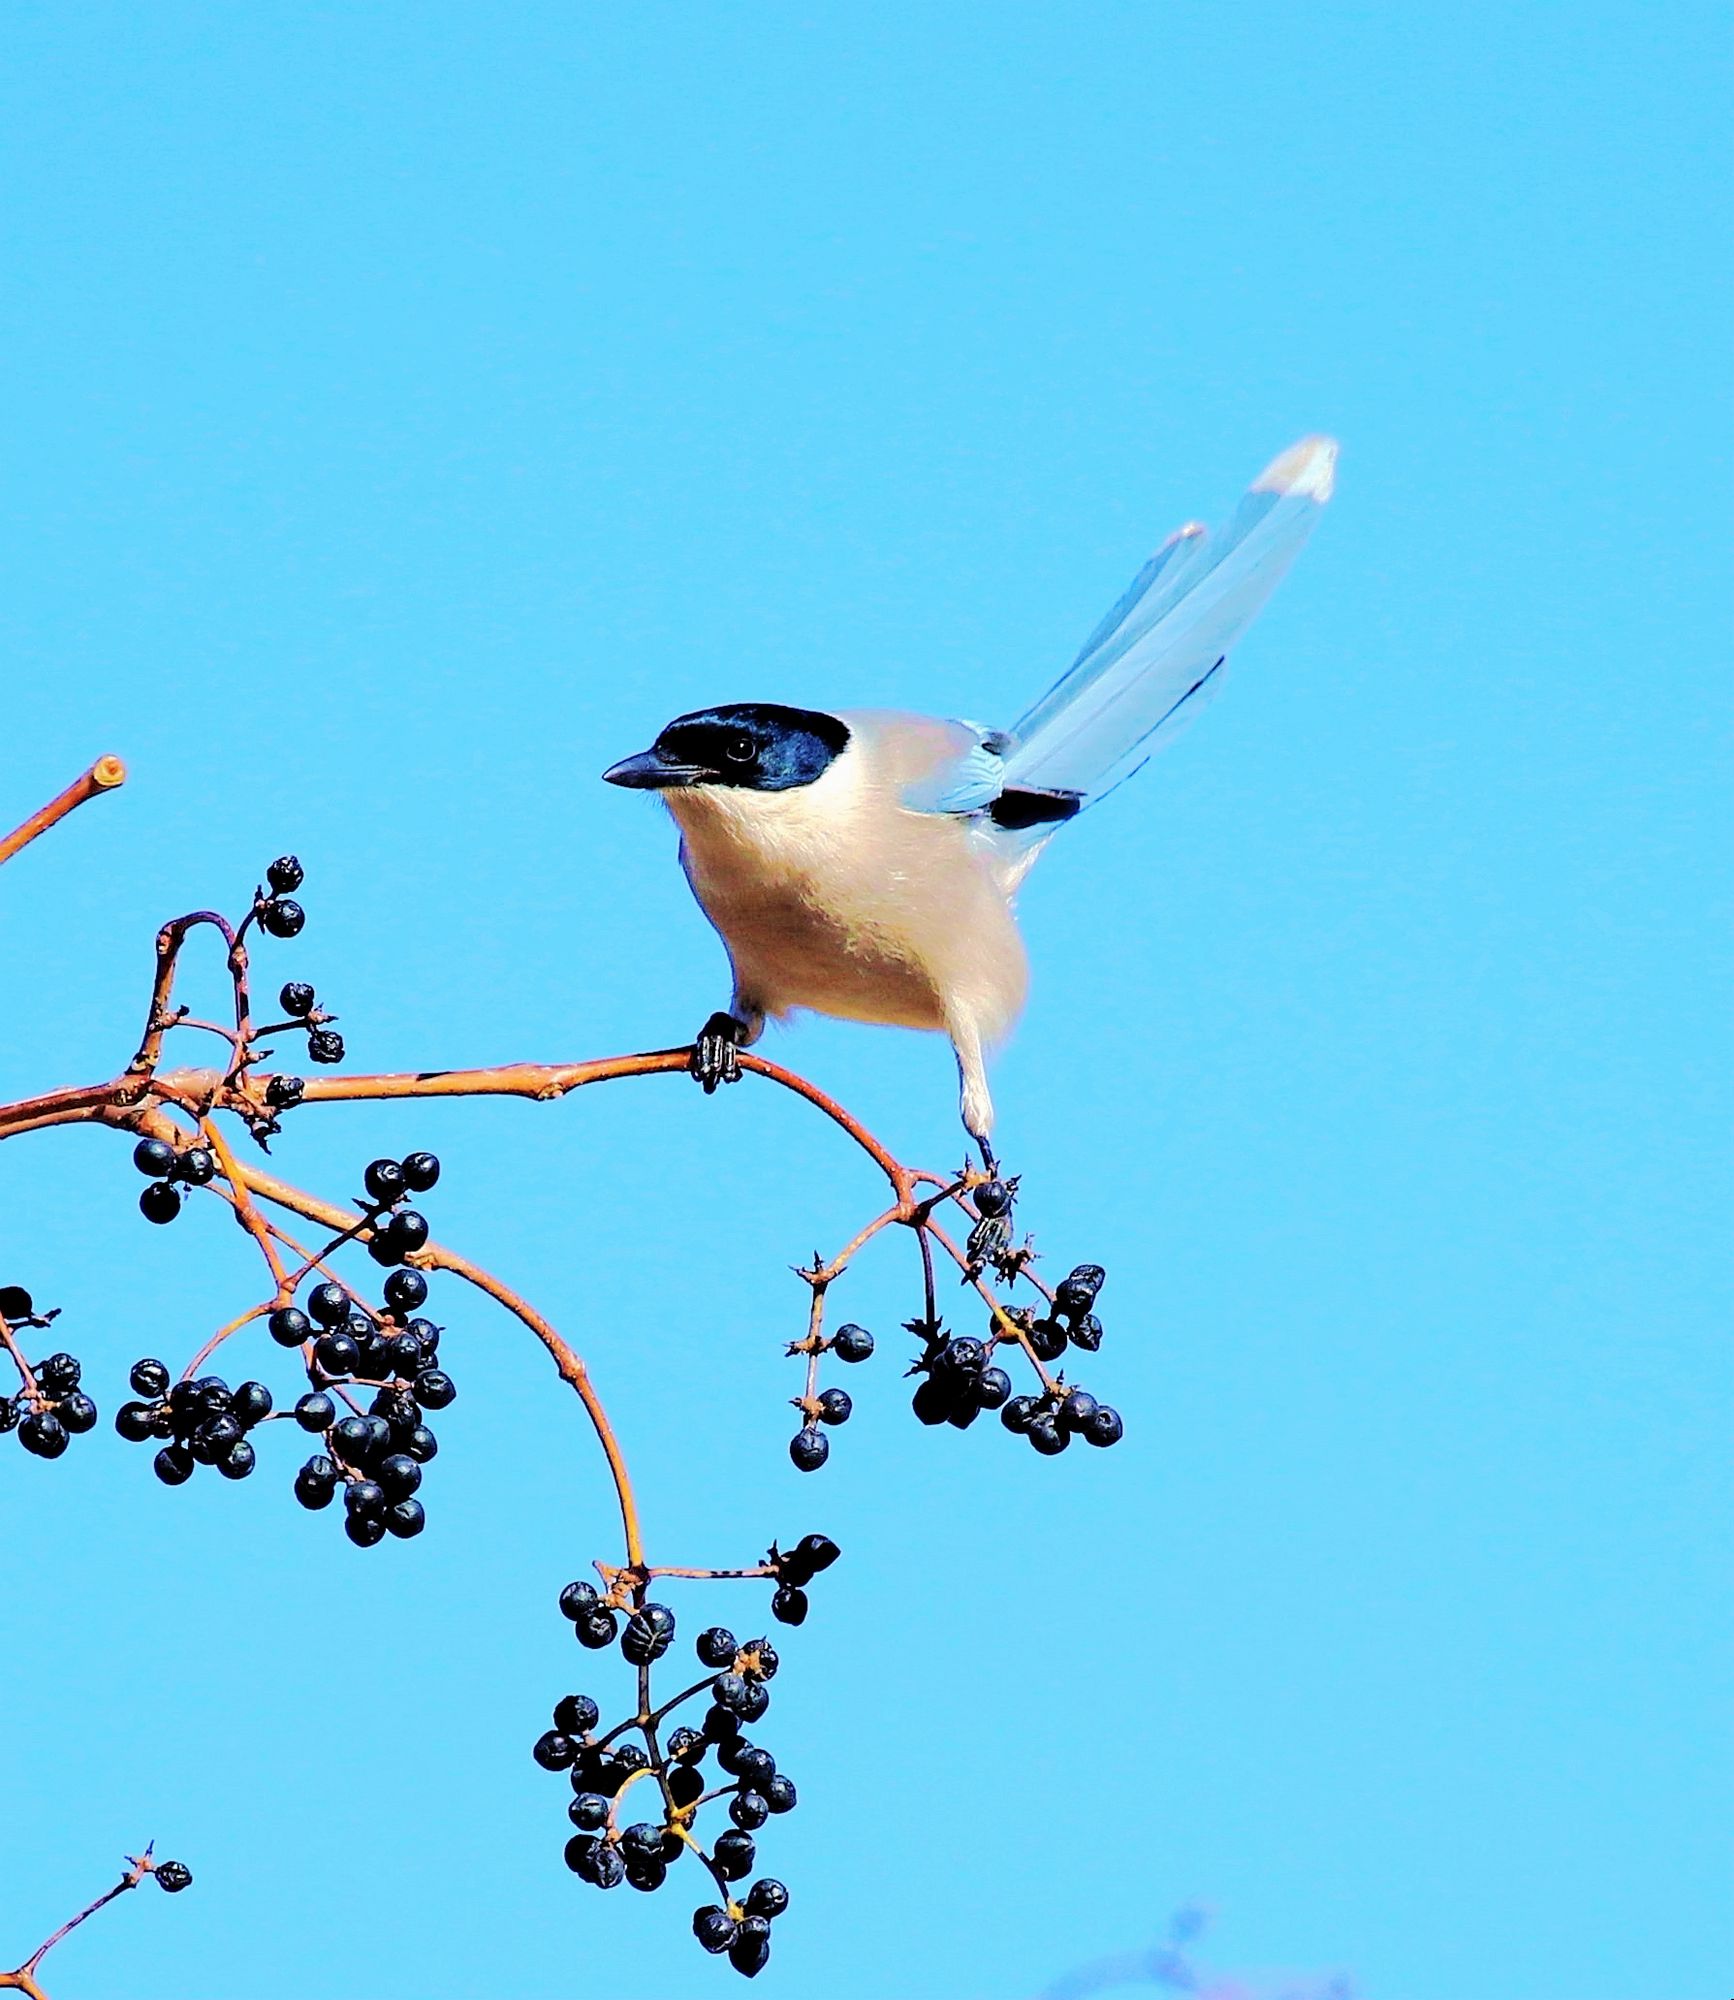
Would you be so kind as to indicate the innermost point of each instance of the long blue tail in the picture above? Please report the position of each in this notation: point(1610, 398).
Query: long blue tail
point(1158, 656)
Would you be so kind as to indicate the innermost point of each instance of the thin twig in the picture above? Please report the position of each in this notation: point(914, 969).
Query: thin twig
point(103, 776)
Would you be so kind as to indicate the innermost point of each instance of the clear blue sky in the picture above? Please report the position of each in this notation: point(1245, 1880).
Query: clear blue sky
point(409, 409)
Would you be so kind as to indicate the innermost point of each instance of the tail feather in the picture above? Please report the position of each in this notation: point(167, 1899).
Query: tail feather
point(1158, 656)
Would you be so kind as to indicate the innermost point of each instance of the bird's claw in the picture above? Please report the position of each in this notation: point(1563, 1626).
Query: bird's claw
point(716, 1053)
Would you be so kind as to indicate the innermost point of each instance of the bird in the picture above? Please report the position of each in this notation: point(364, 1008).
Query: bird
point(865, 864)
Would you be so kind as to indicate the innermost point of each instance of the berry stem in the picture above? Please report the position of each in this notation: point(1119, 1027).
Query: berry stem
point(22, 1979)
point(10, 1343)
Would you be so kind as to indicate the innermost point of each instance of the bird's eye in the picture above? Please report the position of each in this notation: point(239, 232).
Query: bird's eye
point(740, 749)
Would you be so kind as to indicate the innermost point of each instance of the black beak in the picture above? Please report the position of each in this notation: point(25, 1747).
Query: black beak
point(650, 772)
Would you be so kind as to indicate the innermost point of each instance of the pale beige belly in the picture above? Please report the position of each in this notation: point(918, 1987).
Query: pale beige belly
point(787, 954)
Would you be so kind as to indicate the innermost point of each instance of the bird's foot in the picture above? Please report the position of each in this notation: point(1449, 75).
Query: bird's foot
point(716, 1053)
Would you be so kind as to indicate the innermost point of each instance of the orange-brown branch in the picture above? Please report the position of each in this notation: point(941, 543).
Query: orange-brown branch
point(103, 776)
point(436, 1257)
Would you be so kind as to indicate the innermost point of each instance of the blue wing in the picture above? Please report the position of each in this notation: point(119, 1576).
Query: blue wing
point(1158, 656)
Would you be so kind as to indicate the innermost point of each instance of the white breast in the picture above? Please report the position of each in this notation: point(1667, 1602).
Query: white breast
point(835, 896)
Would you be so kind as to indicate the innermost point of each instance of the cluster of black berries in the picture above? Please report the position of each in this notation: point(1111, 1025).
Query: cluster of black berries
point(376, 1458)
point(282, 917)
point(1051, 1420)
point(959, 1378)
point(275, 906)
point(203, 1421)
point(324, 1044)
point(49, 1409)
point(170, 1172)
point(1073, 1317)
point(810, 1447)
point(602, 1768)
point(396, 1231)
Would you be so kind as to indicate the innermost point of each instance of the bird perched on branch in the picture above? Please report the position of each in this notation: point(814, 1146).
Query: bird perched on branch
point(864, 864)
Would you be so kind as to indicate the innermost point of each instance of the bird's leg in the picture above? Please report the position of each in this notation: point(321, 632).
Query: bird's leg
point(716, 1056)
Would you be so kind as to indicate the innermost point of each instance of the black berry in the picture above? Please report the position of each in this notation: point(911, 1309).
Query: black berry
point(154, 1158)
point(852, 1343)
point(160, 1202)
point(809, 1447)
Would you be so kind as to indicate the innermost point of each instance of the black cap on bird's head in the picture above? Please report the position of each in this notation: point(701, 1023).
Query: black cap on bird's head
point(757, 746)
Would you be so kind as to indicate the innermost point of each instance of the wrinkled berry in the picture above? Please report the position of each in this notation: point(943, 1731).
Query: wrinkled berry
point(296, 999)
point(553, 1751)
point(767, 1898)
point(282, 916)
point(852, 1343)
point(1087, 1333)
point(716, 1647)
point(285, 875)
point(596, 1630)
point(315, 1483)
point(835, 1406)
point(649, 1633)
point(714, 1928)
point(173, 1876)
point(149, 1378)
point(58, 1374)
point(43, 1435)
point(325, 1045)
point(809, 1447)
